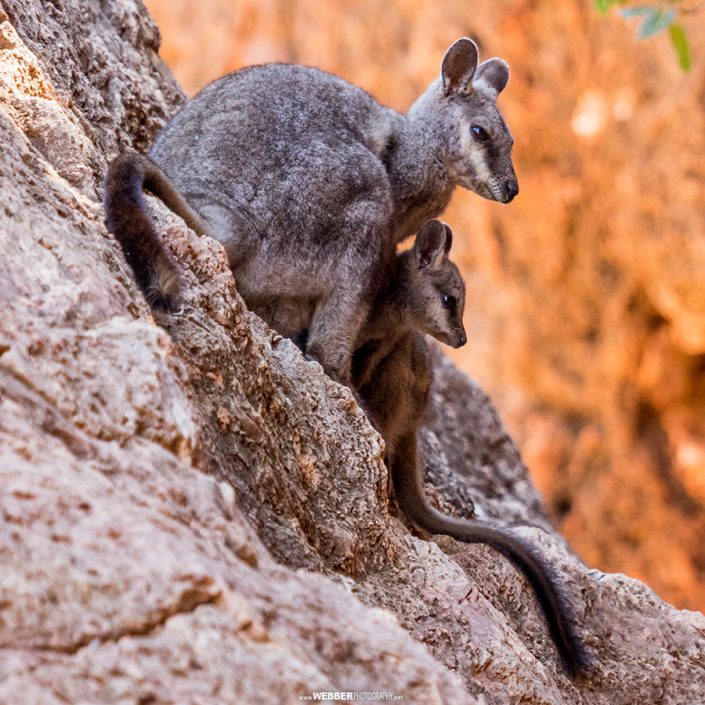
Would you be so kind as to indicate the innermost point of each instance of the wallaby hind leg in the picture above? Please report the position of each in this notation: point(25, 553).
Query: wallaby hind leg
point(288, 317)
point(334, 329)
point(340, 315)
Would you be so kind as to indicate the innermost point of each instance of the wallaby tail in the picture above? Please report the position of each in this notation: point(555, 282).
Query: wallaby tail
point(156, 272)
point(554, 604)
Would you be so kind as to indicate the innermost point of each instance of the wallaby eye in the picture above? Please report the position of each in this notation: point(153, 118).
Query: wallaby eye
point(449, 301)
point(479, 133)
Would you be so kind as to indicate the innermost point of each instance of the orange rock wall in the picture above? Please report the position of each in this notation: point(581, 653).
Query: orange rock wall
point(587, 294)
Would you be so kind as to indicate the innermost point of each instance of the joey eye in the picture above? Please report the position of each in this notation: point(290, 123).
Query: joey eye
point(449, 301)
point(479, 133)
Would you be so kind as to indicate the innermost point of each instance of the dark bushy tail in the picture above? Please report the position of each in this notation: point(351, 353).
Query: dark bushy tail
point(554, 604)
point(156, 272)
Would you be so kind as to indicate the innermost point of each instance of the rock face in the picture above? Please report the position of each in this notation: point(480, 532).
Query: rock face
point(192, 512)
point(587, 308)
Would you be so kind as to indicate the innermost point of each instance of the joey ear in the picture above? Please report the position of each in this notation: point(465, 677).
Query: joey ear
point(458, 66)
point(449, 238)
point(430, 245)
point(491, 76)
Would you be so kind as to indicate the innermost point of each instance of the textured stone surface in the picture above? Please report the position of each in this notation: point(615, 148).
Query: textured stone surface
point(192, 512)
point(587, 295)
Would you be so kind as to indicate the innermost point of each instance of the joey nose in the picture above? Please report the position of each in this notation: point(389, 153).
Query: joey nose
point(511, 189)
point(460, 340)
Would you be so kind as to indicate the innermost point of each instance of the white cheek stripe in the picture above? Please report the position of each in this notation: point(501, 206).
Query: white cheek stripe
point(476, 156)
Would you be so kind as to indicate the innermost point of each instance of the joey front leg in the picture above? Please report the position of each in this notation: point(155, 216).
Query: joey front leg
point(403, 464)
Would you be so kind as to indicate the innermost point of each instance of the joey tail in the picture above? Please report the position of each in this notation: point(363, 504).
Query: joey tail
point(155, 270)
point(554, 604)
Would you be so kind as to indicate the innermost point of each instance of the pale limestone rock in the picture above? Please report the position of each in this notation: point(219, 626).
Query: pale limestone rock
point(193, 512)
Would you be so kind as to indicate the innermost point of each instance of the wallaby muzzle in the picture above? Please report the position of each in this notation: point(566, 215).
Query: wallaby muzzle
point(511, 189)
point(459, 340)
point(456, 339)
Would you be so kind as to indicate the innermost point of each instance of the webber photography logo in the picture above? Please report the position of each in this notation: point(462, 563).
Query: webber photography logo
point(367, 696)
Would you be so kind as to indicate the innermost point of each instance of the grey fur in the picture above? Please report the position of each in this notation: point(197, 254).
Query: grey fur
point(309, 183)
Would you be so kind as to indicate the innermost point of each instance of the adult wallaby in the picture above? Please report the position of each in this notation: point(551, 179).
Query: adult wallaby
point(309, 183)
point(392, 373)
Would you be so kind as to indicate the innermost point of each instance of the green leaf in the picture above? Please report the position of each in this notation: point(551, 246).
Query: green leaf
point(636, 11)
point(604, 5)
point(655, 22)
point(680, 44)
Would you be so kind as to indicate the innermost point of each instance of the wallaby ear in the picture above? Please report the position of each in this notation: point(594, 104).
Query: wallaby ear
point(449, 237)
point(430, 245)
point(491, 76)
point(458, 66)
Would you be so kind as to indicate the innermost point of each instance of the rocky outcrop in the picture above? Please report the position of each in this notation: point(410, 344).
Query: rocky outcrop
point(191, 511)
point(587, 312)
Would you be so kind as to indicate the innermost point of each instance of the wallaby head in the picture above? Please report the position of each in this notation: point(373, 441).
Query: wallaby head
point(435, 291)
point(460, 111)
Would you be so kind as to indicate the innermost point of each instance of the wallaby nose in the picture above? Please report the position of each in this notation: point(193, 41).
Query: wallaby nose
point(511, 189)
point(461, 340)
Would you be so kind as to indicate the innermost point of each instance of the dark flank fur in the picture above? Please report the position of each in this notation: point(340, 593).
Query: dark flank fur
point(392, 373)
point(156, 272)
